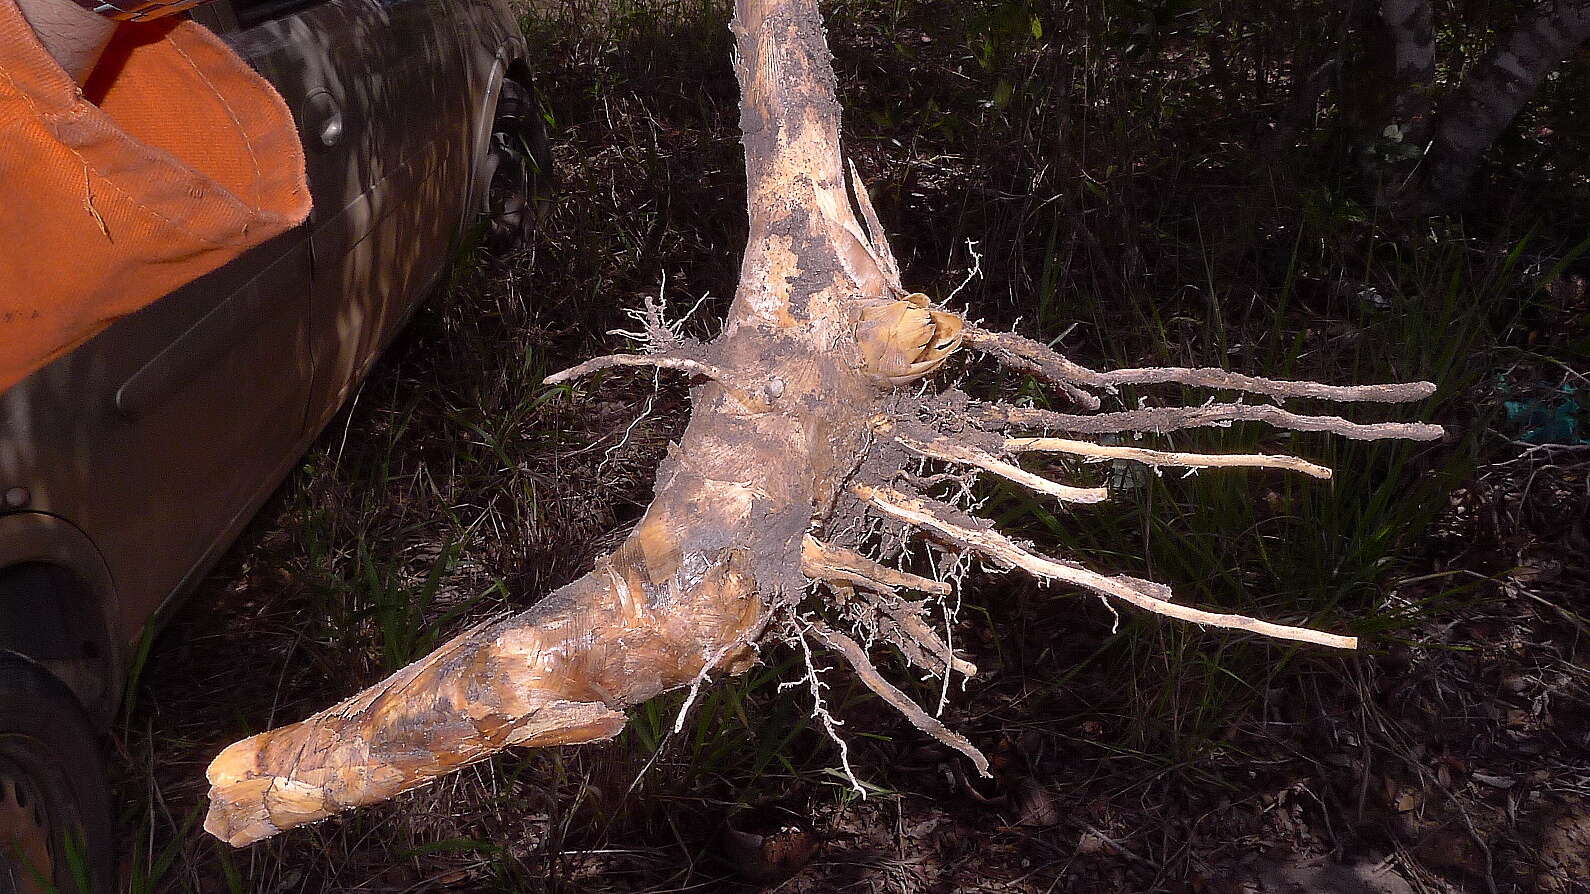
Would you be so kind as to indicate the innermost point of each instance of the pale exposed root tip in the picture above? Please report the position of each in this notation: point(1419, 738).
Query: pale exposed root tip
point(854, 575)
point(950, 451)
point(856, 657)
point(1091, 451)
point(747, 397)
point(1144, 594)
point(826, 562)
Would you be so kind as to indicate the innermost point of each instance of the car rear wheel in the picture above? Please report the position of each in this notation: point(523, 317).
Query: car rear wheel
point(56, 828)
point(519, 167)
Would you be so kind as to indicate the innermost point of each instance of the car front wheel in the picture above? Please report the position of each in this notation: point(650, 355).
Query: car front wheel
point(56, 827)
point(519, 168)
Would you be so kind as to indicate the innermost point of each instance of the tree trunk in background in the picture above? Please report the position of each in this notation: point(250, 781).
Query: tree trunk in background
point(1412, 32)
point(1492, 95)
point(795, 481)
point(1387, 89)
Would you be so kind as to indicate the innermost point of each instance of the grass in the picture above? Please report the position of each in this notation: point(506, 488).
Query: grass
point(1109, 165)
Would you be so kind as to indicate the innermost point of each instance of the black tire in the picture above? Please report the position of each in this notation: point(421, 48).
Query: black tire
point(519, 164)
point(55, 803)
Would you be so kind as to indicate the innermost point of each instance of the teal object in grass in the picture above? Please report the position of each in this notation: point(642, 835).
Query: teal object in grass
point(1548, 420)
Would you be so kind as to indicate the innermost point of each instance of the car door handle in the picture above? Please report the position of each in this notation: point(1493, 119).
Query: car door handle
point(323, 118)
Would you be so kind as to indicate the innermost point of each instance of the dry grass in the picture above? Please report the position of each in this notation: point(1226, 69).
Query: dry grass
point(1125, 196)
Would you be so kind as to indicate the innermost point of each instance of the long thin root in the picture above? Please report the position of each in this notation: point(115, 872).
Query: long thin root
point(1160, 420)
point(1141, 593)
point(1164, 458)
point(826, 562)
point(857, 658)
point(1026, 355)
point(950, 451)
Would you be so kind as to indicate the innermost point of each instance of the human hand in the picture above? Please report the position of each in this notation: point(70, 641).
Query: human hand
point(73, 35)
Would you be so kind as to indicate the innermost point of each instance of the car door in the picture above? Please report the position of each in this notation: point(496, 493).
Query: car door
point(328, 59)
point(161, 435)
point(368, 277)
point(430, 74)
point(318, 55)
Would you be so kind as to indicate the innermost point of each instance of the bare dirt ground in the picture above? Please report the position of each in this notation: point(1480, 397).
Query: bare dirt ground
point(1451, 755)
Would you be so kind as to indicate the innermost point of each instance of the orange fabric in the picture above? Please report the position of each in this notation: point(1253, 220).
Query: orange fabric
point(174, 158)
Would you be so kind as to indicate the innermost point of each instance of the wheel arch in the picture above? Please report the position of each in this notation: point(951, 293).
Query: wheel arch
point(510, 65)
point(58, 607)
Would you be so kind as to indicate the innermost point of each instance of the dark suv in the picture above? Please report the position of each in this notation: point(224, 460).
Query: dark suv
point(128, 466)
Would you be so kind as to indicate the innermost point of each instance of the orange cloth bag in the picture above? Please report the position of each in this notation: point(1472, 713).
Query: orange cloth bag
point(172, 160)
